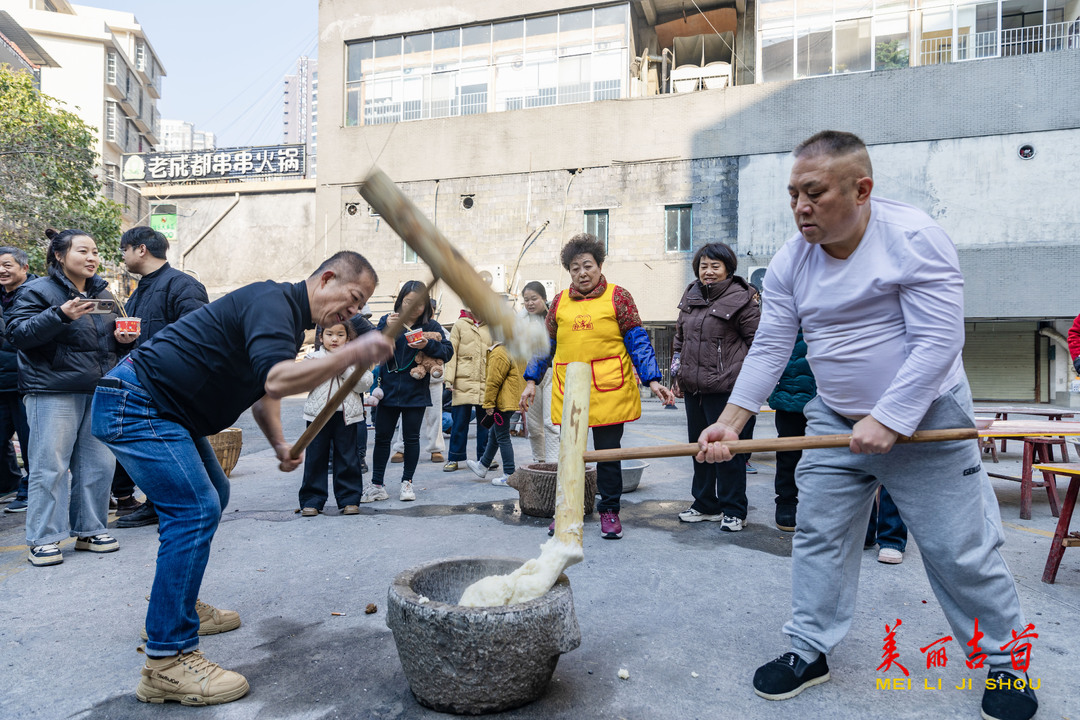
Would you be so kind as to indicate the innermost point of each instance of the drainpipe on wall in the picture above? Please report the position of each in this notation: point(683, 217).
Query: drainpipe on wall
point(1056, 337)
point(208, 230)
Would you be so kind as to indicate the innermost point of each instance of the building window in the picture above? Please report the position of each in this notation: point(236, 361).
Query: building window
point(111, 129)
point(553, 59)
point(110, 68)
point(596, 224)
point(410, 254)
point(678, 228)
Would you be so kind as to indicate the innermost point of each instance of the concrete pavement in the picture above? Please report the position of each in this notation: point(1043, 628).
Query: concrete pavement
point(666, 602)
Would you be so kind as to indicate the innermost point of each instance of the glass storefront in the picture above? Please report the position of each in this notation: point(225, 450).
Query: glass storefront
point(807, 38)
point(558, 59)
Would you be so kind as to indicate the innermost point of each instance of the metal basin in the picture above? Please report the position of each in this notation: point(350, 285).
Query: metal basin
point(469, 660)
point(631, 474)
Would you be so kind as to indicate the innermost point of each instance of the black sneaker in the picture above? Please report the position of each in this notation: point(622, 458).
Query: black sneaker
point(18, 505)
point(1008, 697)
point(126, 506)
point(785, 518)
point(143, 515)
point(788, 675)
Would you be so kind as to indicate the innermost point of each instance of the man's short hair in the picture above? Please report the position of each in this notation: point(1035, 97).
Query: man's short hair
point(836, 143)
point(18, 254)
point(348, 265)
point(156, 243)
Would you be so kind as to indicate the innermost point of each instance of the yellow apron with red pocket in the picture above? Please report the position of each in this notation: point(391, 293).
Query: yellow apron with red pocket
point(588, 331)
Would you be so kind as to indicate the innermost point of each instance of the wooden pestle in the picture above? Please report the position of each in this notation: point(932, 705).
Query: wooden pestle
point(535, 577)
point(573, 441)
point(809, 442)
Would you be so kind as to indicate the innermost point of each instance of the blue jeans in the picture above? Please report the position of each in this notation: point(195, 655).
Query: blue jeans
point(459, 433)
point(499, 438)
point(60, 441)
point(885, 527)
point(181, 475)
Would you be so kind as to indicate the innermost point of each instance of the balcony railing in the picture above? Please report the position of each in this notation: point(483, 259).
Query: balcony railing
point(1014, 41)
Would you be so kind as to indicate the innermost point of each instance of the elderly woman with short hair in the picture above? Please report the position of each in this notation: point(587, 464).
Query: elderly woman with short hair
point(598, 323)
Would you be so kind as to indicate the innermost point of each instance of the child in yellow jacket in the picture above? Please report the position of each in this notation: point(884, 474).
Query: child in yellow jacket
point(503, 384)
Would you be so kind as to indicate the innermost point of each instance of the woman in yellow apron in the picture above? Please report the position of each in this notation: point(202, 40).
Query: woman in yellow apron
point(598, 323)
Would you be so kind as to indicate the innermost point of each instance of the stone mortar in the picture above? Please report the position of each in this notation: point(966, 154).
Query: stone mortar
point(477, 660)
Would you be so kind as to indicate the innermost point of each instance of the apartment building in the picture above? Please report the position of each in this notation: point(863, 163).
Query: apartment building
point(108, 74)
point(301, 109)
point(661, 125)
point(181, 136)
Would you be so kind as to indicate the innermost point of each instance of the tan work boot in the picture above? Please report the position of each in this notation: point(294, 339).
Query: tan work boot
point(189, 679)
point(211, 620)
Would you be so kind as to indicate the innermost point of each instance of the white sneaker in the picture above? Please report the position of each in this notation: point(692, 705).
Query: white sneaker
point(890, 556)
point(732, 524)
point(406, 492)
point(691, 515)
point(374, 492)
point(501, 481)
point(477, 468)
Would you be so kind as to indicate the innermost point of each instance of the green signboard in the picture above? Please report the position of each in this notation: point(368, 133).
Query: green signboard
point(165, 224)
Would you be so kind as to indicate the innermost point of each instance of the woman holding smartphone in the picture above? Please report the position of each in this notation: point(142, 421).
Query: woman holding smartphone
point(64, 326)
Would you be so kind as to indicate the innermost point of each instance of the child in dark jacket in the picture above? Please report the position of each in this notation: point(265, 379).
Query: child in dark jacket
point(404, 396)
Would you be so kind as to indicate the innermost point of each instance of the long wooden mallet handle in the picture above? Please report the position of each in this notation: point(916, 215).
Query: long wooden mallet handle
point(573, 441)
point(810, 442)
point(391, 331)
point(451, 267)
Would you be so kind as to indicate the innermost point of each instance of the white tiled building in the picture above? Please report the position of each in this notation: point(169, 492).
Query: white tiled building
point(107, 73)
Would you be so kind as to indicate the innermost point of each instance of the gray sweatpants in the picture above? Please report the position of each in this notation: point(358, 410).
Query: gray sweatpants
point(946, 500)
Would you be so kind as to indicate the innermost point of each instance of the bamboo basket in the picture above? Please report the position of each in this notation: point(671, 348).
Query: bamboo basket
point(227, 444)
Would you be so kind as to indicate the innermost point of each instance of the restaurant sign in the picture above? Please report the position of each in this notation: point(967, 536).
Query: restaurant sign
point(263, 162)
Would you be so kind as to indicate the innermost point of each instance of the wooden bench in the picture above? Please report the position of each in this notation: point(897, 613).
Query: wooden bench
point(1062, 537)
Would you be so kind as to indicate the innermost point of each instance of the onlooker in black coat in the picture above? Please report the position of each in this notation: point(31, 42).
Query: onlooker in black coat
point(14, 273)
point(164, 295)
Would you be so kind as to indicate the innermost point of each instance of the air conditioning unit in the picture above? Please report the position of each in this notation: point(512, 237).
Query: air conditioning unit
point(494, 276)
point(755, 275)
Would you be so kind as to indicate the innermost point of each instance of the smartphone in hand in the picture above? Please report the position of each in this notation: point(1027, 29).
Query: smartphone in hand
point(101, 306)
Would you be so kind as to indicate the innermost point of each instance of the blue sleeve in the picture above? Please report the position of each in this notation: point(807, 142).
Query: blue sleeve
point(539, 365)
point(441, 350)
point(642, 355)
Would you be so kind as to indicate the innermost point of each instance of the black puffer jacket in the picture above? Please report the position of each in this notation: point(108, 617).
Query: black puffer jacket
point(58, 355)
point(163, 297)
point(713, 332)
point(9, 354)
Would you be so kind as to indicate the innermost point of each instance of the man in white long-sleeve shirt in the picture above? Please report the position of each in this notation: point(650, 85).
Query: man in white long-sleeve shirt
point(876, 287)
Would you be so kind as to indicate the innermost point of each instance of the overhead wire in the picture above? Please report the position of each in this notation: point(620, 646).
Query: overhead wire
point(292, 53)
point(271, 95)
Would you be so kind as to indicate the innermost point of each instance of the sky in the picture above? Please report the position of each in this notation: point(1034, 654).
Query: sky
point(226, 60)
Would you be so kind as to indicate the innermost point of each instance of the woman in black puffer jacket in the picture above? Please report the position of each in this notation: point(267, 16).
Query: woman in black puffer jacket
point(718, 316)
point(64, 348)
